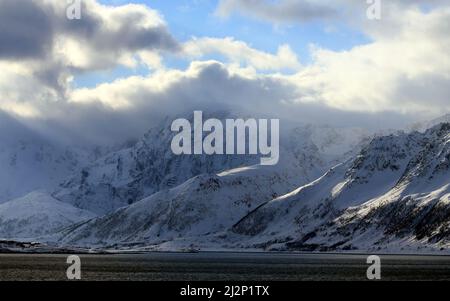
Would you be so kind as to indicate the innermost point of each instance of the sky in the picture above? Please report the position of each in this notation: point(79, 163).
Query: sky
point(125, 65)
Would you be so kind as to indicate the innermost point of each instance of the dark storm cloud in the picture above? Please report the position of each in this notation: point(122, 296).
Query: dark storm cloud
point(29, 28)
point(128, 36)
point(25, 30)
point(36, 33)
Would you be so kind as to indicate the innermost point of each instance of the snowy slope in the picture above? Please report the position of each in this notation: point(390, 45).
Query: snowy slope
point(37, 214)
point(395, 195)
point(207, 203)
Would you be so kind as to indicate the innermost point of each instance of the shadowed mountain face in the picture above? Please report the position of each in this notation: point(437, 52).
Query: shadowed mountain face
point(30, 161)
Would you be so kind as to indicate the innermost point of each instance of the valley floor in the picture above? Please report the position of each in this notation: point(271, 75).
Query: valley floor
point(223, 266)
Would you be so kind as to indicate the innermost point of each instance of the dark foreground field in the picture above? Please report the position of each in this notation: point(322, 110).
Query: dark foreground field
point(223, 267)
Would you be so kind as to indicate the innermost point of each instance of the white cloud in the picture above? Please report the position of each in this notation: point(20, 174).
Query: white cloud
point(240, 53)
point(380, 75)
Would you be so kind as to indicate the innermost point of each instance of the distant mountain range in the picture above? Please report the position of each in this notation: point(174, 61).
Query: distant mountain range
point(333, 190)
point(393, 196)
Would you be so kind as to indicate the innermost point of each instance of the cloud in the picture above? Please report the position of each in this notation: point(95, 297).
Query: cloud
point(25, 30)
point(344, 12)
point(127, 108)
point(240, 53)
point(35, 29)
point(107, 35)
point(402, 73)
point(38, 35)
point(406, 68)
point(283, 11)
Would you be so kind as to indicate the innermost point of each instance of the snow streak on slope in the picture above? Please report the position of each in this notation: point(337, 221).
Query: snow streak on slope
point(37, 214)
point(394, 195)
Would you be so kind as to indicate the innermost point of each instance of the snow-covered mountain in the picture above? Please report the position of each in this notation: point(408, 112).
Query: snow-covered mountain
point(204, 204)
point(210, 202)
point(125, 177)
point(37, 214)
point(140, 171)
point(395, 195)
point(207, 203)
